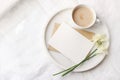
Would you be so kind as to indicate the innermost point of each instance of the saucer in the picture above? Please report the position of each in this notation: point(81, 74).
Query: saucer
point(61, 60)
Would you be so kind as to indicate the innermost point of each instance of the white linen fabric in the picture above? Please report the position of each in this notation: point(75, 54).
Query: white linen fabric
point(5, 5)
point(22, 56)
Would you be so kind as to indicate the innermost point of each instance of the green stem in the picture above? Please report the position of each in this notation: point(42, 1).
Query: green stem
point(62, 71)
point(70, 70)
point(66, 70)
point(75, 66)
point(87, 58)
point(91, 53)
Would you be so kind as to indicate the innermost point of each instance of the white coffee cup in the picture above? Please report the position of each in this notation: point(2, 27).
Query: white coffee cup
point(94, 19)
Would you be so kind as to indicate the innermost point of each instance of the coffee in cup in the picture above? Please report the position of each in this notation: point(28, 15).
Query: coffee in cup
point(83, 16)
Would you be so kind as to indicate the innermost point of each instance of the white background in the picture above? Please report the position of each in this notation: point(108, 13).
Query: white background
point(22, 56)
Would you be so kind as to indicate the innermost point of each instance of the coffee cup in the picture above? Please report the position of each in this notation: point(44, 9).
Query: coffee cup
point(83, 16)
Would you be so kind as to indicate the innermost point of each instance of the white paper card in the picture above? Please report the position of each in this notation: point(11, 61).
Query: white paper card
point(70, 43)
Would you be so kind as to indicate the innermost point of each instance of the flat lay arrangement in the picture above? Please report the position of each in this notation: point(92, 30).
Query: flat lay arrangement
point(59, 40)
point(76, 39)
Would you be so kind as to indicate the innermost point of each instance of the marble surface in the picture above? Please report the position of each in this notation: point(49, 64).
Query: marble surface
point(22, 56)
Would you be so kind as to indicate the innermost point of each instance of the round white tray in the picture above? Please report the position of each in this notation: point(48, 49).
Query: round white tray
point(59, 59)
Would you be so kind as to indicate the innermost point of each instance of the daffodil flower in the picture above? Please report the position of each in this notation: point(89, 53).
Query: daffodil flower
point(100, 43)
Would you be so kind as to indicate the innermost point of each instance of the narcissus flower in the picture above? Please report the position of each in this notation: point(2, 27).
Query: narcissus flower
point(100, 41)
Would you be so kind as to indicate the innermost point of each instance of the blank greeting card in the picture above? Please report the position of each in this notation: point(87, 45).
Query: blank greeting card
point(70, 43)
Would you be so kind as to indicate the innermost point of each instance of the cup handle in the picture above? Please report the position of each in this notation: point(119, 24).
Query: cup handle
point(97, 20)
